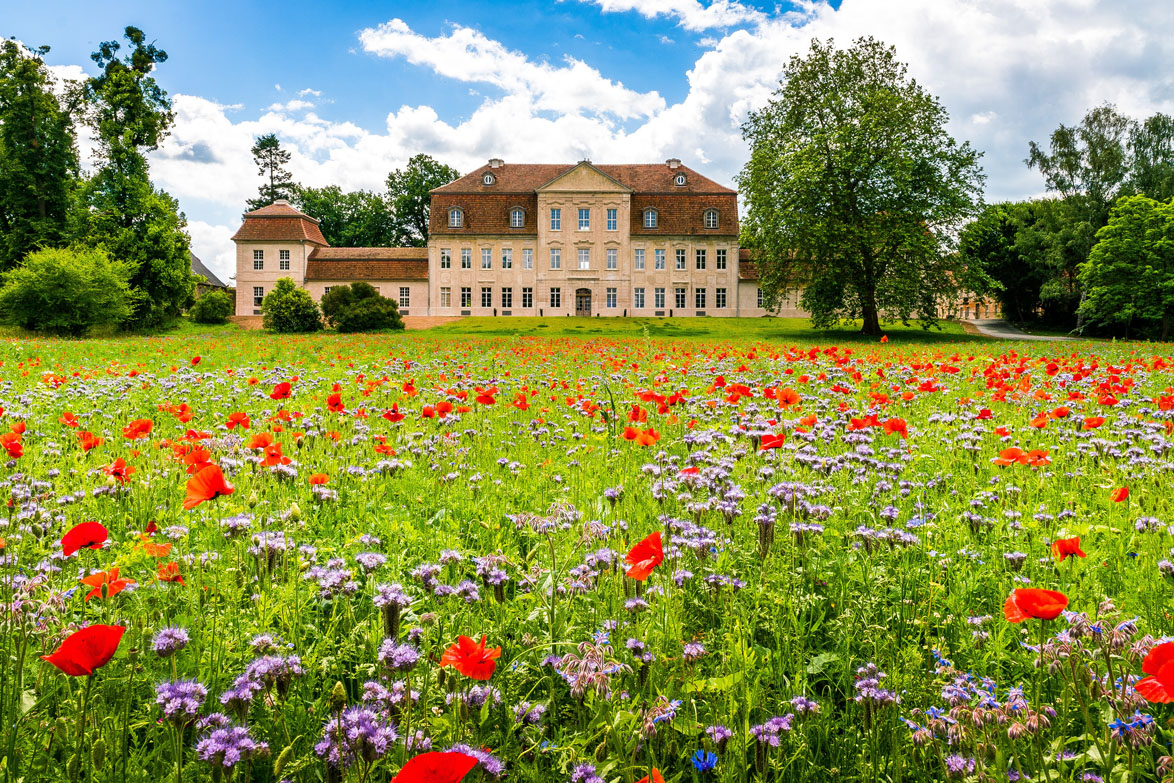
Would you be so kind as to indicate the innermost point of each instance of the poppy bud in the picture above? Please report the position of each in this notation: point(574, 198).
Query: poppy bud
point(282, 759)
point(337, 697)
point(253, 500)
point(72, 766)
point(98, 753)
point(295, 512)
point(61, 728)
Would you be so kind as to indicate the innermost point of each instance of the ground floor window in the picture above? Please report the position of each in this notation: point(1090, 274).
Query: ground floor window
point(507, 298)
point(658, 298)
point(760, 300)
point(638, 298)
point(556, 297)
point(405, 296)
point(679, 297)
point(466, 296)
point(259, 295)
point(719, 297)
point(699, 298)
point(487, 297)
point(445, 296)
point(611, 297)
point(527, 298)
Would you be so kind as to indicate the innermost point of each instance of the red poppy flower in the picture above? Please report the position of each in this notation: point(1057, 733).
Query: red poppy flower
point(238, 419)
point(771, 441)
point(393, 415)
point(170, 573)
point(654, 776)
point(436, 767)
point(1120, 494)
point(69, 420)
point(319, 478)
point(119, 470)
point(1032, 602)
point(10, 442)
point(195, 360)
point(84, 652)
point(207, 484)
point(1092, 422)
point(1066, 547)
point(896, 426)
point(647, 437)
point(471, 658)
point(105, 583)
point(644, 557)
point(335, 404)
point(88, 440)
point(260, 440)
point(1159, 664)
point(280, 392)
point(87, 534)
point(139, 428)
point(273, 456)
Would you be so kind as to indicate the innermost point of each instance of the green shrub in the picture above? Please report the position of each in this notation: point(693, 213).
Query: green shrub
point(66, 291)
point(343, 296)
point(288, 308)
point(369, 315)
point(213, 307)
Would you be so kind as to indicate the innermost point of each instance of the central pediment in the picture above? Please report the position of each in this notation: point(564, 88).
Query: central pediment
point(583, 178)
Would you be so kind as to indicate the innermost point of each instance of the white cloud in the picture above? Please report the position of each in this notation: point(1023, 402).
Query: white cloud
point(469, 56)
point(294, 105)
point(690, 14)
point(309, 91)
point(210, 243)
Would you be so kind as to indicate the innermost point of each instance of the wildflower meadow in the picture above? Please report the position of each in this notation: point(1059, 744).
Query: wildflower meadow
point(435, 557)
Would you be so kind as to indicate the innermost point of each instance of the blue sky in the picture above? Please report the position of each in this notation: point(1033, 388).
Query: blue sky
point(354, 88)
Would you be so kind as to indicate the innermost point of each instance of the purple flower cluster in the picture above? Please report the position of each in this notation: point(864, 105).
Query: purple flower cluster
point(769, 733)
point(355, 734)
point(398, 657)
point(169, 641)
point(181, 700)
point(868, 690)
point(228, 745)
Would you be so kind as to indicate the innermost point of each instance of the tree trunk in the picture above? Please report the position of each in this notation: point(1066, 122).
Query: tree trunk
point(871, 325)
point(1165, 324)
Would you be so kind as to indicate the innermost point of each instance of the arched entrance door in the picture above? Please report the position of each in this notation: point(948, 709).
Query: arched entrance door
point(583, 302)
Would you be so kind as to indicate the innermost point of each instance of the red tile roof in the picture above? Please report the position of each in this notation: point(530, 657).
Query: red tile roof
point(279, 222)
point(527, 177)
point(747, 269)
point(368, 263)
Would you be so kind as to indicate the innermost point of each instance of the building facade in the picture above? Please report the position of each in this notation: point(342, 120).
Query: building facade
point(532, 239)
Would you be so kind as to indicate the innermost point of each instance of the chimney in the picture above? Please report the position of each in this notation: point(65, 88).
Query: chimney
point(673, 163)
point(281, 202)
point(496, 163)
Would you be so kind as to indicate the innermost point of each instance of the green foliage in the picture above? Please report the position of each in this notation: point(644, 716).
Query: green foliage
point(1130, 272)
point(408, 192)
point(120, 211)
point(213, 307)
point(288, 308)
point(1151, 144)
point(65, 292)
point(359, 219)
point(271, 161)
point(854, 189)
point(358, 307)
point(38, 155)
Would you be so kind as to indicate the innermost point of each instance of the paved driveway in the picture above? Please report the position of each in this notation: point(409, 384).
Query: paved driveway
point(996, 327)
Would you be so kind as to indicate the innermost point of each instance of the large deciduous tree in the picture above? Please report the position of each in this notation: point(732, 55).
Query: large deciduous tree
point(271, 162)
point(121, 212)
point(38, 154)
point(408, 192)
point(1129, 275)
point(854, 190)
point(357, 219)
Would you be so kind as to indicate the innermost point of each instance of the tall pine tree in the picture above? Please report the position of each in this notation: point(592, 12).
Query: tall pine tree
point(271, 162)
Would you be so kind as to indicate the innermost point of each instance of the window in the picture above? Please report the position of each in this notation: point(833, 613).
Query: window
point(658, 298)
point(507, 258)
point(259, 295)
point(556, 258)
point(721, 258)
point(456, 218)
point(445, 296)
point(517, 218)
point(679, 179)
point(719, 298)
point(507, 298)
point(760, 299)
point(709, 219)
point(327, 290)
point(584, 258)
point(527, 298)
point(613, 219)
point(487, 178)
point(466, 258)
point(283, 260)
point(405, 296)
point(527, 258)
point(638, 259)
point(679, 297)
point(487, 258)
point(638, 298)
point(584, 219)
point(556, 219)
point(650, 218)
point(611, 298)
point(466, 296)
point(556, 297)
point(487, 297)
point(445, 258)
point(659, 258)
point(680, 259)
point(701, 259)
point(613, 258)
point(258, 260)
point(699, 298)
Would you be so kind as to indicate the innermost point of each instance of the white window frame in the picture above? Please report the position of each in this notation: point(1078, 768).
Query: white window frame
point(556, 298)
point(659, 254)
point(613, 220)
point(258, 260)
point(527, 258)
point(638, 298)
point(556, 219)
point(611, 297)
point(456, 218)
point(709, 218)
point(680, 297)
point(638, 258)
point(584, 219)
point(650, 218)
point(445, 258)
point(445, 296)
point(507, 258)
point(486, 296)
point(613, 258)
point(405, 296)
point(719, 298)
point(699, 298)
point(761, 299)
point(258, 295)
point(466, 297)
point(507, 298)
point(466, 258)
point(584, 257)
point(658, 298)
point(517, 218)
point(682, 259)
point(720, 261)
point(487, 179)
point(283, 260)
point(487, 258)
point(556, 258)
point(700, 256)
point(527, 298)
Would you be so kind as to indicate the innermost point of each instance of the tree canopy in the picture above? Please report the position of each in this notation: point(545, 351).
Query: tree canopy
point(408, 192)
point(356, 219)
point(854, 190)
point(271, 162)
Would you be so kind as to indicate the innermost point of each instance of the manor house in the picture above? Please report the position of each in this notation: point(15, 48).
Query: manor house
point(514, 239)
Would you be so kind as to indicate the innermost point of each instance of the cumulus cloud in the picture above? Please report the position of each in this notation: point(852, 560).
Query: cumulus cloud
point(690, 14)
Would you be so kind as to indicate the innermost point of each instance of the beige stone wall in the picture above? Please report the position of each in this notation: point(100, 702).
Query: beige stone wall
point(748, 303)
point(417, 292)
point(247, 278)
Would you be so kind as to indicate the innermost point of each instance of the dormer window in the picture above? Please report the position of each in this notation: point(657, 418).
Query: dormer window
point(517, 218)
point(709, 219)
point(650, 218)
point(456, 218)
point(487, 179)
point(679, 179)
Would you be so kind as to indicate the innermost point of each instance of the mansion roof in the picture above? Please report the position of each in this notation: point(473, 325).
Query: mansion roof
point(279, 222)
point(367, 263)
point(529, 177)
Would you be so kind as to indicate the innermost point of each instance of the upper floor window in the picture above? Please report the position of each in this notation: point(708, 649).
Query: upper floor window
point(681, 261)
point(487, 179)
point(584, 258)
point(613, 220)
point(445, 258)
point(258, 259)
point(556, 219)
point(613, 258)
point(517, 218)
point(527, 258)
point(456, 218)
point(487, 258)
point(650, 218)
point(659, 259)
point(679, 179)
point(721, 258)
point(507, 258)
point(466, 258)
point(638, 258)
point(283, 260)
point(710, 218)
point(556, 258)
point(584, 219)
